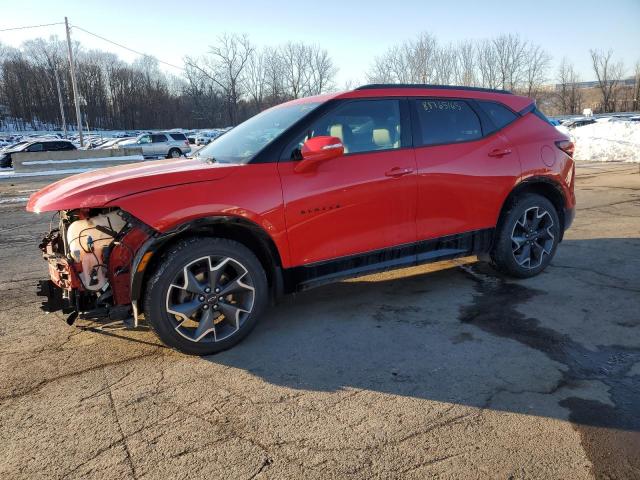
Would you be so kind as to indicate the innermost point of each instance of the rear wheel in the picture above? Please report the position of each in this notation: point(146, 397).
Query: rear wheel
point(206, 295)
point(174, 153)
point(528, 237)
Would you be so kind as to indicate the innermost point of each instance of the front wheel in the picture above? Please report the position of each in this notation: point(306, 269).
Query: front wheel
point(206, 295)
point(528, 237)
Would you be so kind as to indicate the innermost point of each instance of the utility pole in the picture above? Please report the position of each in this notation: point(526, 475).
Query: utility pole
point(64, 120)
point(74, 85)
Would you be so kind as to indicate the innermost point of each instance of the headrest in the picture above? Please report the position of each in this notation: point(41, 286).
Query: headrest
point(337, 131)
point(381, 137)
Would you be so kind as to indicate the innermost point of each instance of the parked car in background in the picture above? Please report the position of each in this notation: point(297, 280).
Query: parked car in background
point(206, 137)
point(309, 192)
point(45, 145)
point(559, 126)
point(115, 143)
point(162, 144)
point(579, 122)
point(191, 136)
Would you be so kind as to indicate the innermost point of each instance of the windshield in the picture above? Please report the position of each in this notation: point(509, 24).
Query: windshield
point(243, 142)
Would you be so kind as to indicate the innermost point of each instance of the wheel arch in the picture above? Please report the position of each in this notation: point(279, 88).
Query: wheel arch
point(543, 186)
point(238, 229)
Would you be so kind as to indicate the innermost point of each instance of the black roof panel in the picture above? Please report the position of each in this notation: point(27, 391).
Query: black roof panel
point(432, 87)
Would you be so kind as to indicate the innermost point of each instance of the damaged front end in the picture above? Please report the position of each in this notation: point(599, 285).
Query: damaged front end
point(90, 256)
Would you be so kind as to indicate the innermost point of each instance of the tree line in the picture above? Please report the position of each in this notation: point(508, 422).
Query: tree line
point(507, 62)
point(236, 79)
point(232, 82)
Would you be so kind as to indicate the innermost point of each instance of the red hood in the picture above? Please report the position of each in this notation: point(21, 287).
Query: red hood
point(97, 188)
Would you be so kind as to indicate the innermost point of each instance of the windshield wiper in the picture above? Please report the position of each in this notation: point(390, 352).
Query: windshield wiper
point(206, 158)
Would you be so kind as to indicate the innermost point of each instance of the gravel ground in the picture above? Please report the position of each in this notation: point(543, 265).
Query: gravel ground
point(446, 371)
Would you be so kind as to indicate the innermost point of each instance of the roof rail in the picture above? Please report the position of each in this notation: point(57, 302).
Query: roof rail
point(431, 87)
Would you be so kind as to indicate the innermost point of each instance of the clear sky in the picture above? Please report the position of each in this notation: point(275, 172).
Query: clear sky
point(353, 32)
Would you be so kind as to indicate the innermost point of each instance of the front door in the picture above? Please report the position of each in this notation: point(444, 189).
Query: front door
point(160, 145)
point(362, 201)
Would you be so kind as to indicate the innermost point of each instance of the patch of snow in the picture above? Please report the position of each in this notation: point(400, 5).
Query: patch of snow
point(608, 142)
point(9, 173)
point(14, 200)
point(131, 158)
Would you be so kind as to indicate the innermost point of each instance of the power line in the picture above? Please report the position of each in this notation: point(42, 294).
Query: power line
point(126, 48)
point(31, 26)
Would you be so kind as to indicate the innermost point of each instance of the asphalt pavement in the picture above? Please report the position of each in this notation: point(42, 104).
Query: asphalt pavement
point(448, 370)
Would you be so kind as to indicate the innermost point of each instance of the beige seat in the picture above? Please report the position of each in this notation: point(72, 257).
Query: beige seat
point(382, 138)
point(337, 131)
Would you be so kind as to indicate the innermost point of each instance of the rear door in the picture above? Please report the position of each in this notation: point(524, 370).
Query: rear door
point(159, 144)
point(466, 167)
point(362, 201)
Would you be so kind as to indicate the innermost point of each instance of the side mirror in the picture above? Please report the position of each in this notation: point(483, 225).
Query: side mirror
point(319, 149)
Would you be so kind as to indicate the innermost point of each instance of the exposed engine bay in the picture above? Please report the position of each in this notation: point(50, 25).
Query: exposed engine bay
point(90, 256)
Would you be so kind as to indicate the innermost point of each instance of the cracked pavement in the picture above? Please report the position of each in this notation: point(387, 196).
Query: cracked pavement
point(446, 371)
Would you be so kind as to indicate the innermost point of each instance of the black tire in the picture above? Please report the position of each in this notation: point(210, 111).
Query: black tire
point(174, 153)
point(161, 285)
point(513, 237)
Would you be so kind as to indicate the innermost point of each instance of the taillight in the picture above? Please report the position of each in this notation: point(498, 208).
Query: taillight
point(567, 146)
point(186, 142)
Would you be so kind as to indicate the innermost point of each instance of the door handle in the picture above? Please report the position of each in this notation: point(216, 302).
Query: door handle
point(396, 172)
point(499, 152)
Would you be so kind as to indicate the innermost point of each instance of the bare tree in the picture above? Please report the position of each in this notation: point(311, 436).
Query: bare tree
point(446, 65)
point(569, 96)
point(608, 74)
point(255, 78)
point(295, 59)
point(274, 75)
point(421, 57)
point(511, 56)
point(225, 66)
point(388, 68)
point(466, 64)
point(322, 69)
point(535, 69)
point(487, 65)
point(410, 62)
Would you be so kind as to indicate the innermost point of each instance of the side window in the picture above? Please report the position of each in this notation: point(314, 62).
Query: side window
point(145, 139)
point(178, 136)
point(159, 138)
point(500, 115)
point(446, 121)
point(36, 147)
point(361, 125)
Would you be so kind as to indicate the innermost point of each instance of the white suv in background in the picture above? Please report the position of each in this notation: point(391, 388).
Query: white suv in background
point(205, 138)
point(161, 144)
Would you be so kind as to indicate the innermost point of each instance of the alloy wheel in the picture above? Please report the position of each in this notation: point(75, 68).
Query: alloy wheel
point(210, 299)
point(532, 238)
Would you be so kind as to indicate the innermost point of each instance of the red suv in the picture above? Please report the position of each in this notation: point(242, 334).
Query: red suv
point(305, 193)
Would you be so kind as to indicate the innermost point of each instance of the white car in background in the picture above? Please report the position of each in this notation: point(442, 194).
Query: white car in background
point(206, 137)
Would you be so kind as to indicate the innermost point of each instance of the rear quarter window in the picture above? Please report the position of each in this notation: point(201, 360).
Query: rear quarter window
point(178, 136)
point(500, 115)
